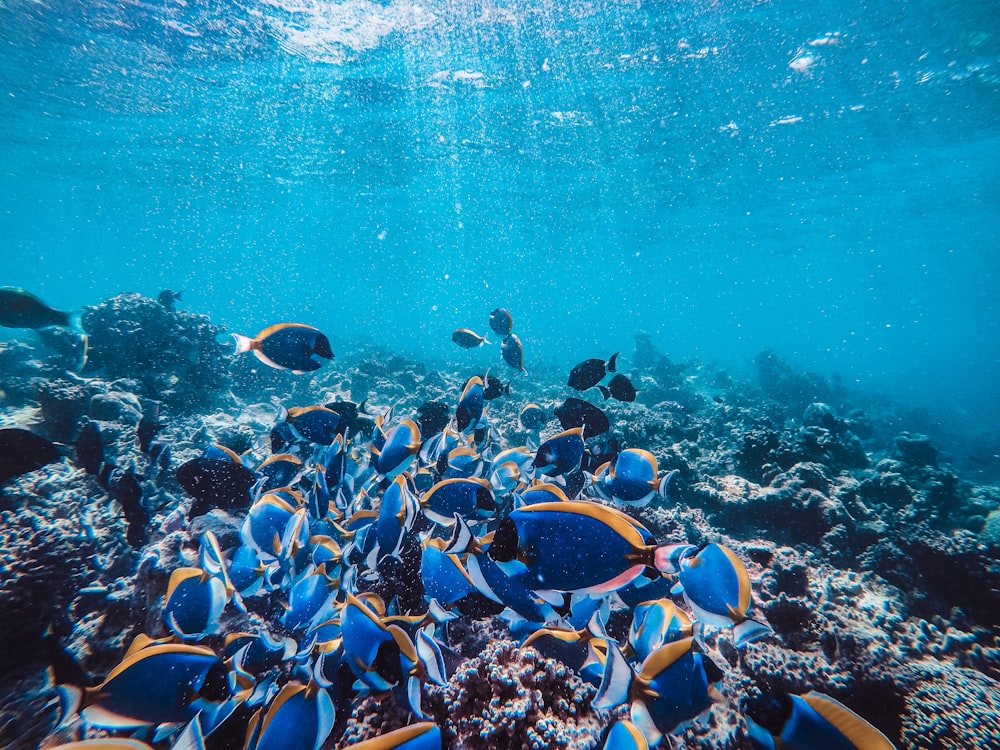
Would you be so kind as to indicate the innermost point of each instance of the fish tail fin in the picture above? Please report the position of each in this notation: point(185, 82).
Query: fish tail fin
point(666, 487)
point(70, 702)
point(750, 630)
point(486, 340)
point(616, 682)
point(606, 392)
point(667, 557)
point(74, 320)
point(613, 362)
point(243, 343)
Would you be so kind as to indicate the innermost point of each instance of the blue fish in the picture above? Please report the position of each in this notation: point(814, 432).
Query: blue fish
point(656, 623)
point(541, 493)
point(193, 603)
point(287, 346)
point(280, 470)
point(574, 546)
point(314, 424)
point(463, 463)
point(716, 586)
point(309, 599)
point(154, 684)
point(422, 736)
point(624, 735)
point(466, 497)
point(533, 417)
point(501, 322)
point(674, 684)
point(512, 352)
point(401, 444)
point(397, 513)
point(580, 650)
point(631, 479)
point(265, 525)
point(470, 405)
point(444, 577)
point(299, 718)
point(560, 454)
point(812, 721)
point(510, 468)
point(246, 570)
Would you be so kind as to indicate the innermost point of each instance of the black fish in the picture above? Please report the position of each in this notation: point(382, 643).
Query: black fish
point(352, 416)
point(501, 322)
point(168, 298)
point(512, 352)
point(215, 483)
point(22, 451)
point(21, 309)
point(281, 437)
point(575, 412)
point(494, 388)
point(602, 451)
point(90, 448)
point(128, 493)
point(147, 430)
point(468, 339)
point(432, 417)
point(590, 372)
point(621, 388)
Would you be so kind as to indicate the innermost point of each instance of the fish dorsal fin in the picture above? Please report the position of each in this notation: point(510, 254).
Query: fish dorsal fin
point(859, 732)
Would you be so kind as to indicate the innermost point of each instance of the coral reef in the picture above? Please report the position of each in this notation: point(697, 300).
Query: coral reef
point(510, 698)
point(171, 356)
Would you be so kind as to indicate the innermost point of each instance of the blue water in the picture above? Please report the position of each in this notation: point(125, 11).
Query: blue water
point(816, 178)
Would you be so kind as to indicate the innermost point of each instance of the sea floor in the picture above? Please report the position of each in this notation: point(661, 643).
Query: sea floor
point(874, 561)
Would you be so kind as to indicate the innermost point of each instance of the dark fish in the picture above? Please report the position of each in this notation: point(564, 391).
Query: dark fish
point(561, 454)
point(501, 322)
point(494, 388)
point(512, 352)
point(432, 417)
point(575, 412)
point(353, 417)
point(90, 448)
point(148, 429)
point(314, 424)
point(168, 298)
point(215, 483)
point(602, 451)
point(128, 493)
point(621, 388)
point(590, 372)
point(281, 437)
point(470, 405)
point(22, 452)
point(533, 417)
point(287, 346)
point(468, 339)
point(21, 309)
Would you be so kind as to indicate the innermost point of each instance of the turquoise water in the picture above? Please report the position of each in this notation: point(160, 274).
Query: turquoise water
point(816, 178)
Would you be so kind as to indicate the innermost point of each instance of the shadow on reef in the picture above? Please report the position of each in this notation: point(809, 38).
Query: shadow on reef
point(874, 560)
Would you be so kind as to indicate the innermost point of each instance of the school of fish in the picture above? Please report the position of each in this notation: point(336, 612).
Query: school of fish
point(364, 537)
